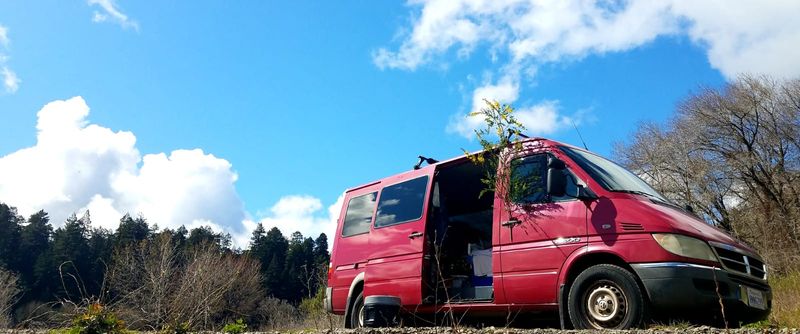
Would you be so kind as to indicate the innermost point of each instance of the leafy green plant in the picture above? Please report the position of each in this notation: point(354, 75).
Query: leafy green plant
point(499, 139)
point(96, 320)
point(237, 327)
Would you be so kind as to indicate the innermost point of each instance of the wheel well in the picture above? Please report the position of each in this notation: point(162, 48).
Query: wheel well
point(589, 260)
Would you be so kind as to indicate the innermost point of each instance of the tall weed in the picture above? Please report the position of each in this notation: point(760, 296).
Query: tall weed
point(786, 300)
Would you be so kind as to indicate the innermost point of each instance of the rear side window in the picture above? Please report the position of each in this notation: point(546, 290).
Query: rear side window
point(359, 214)
point(401, 202)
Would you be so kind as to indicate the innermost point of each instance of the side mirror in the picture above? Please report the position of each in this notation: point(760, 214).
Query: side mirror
point(584, 193)
point(556, 178)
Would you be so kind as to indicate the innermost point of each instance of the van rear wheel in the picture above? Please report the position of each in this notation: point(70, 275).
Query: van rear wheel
point(606, 296)
point(357, 313)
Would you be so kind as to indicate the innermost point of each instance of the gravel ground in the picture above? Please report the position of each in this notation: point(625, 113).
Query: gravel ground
point(493, 330)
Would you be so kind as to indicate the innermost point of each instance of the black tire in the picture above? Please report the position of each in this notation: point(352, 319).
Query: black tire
point(606, 296)
point(357, 312)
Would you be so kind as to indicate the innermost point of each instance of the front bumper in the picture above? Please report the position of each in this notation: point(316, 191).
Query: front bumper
point(695, 290)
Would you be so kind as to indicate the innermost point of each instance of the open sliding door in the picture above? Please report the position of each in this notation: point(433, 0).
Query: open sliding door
point(397, 238)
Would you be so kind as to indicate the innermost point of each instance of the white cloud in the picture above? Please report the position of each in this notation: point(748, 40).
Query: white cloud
point(4, 36)
point(110, 12)
point(741, 36)
point(77, 166)
point(299, 213)
point(507, 91)
point(10, 79)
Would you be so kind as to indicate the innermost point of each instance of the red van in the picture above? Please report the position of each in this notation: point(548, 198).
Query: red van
point(591, 242)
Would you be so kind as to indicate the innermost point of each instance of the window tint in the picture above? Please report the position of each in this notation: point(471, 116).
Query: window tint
point(529, 183)
point(401, 202)
point(359, 214)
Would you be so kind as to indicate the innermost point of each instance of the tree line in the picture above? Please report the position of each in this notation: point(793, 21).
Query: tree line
point(154, 278)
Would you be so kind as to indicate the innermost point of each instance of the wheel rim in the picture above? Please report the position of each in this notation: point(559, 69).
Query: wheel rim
point(606, 305)
point(360, 315)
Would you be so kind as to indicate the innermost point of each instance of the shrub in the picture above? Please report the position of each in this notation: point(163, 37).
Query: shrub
point(96, 320)
point(237, 327)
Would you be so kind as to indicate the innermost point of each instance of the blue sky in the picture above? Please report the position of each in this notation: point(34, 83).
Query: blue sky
point(292, 102)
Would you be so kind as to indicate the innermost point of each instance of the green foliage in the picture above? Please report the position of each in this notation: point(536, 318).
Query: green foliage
point(500, 145)
point(763, 324)
point(237, 327)
point(70, 263)
point(96, 320)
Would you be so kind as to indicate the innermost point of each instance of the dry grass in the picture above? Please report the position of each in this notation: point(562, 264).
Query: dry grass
point(786, 300)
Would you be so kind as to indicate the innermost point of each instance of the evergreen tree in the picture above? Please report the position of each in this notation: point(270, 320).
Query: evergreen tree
point(258, 247)
point(295, 269)
point(321, 255)
point(100, 248)
point(9, 237)
point(203, 235)
point(131, 230)
point(34, 243)
point(275, 248)
point(70, 256)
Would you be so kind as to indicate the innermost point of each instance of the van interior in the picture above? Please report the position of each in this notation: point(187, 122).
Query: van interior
point(460, 230)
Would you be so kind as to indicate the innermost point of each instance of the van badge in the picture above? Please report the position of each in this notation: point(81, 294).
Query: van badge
point(562, 241)
point(606, 226)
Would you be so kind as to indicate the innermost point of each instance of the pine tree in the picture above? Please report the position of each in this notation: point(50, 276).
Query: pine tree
point(131, 230)
point(9, 237)
point(275, 248)
point(34, 243)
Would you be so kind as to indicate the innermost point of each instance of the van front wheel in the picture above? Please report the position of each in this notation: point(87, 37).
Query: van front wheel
point(606, 296)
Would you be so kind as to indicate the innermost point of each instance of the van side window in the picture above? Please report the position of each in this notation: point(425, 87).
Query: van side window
point(530, 181)
point(528, 177)
point(401, 202)
point(359, 214)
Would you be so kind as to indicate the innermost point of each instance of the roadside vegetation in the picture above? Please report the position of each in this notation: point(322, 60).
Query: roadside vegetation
point(733, 155)
point(786, 304)
point(143, 278)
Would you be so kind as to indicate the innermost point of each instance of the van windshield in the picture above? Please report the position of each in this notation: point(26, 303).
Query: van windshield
point(611, 176)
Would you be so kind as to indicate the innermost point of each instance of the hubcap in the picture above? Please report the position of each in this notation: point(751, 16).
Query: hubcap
point(606, 305)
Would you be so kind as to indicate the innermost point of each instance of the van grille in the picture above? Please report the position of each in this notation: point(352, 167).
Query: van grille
point(741, 262)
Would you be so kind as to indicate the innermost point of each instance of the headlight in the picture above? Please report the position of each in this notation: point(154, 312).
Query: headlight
point(685, 246)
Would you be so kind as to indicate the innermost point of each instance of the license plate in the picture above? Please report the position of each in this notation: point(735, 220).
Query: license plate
point(755, 298)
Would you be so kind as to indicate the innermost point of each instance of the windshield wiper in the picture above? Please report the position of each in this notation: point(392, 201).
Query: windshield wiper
point(638, 192)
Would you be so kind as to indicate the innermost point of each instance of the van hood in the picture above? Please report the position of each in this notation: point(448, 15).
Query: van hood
point(685, 223)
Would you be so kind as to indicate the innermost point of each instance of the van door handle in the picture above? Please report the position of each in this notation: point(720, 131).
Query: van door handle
point(510, 223)
point(414, 235)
